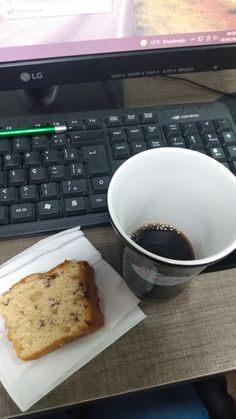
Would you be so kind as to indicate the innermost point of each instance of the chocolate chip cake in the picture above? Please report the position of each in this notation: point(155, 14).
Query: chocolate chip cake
point(44, 311)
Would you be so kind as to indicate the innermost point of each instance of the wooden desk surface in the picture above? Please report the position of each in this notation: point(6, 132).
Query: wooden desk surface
point(192, 335)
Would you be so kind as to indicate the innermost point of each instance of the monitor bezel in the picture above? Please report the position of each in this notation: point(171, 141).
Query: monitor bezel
point(113, 66)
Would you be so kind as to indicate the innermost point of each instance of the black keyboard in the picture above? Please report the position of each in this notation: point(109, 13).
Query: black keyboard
point(51, 183)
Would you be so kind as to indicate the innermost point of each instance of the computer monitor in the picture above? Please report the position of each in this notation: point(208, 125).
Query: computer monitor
point(52, 42)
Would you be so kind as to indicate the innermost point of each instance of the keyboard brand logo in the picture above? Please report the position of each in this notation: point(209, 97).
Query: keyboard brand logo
point(25, 77)
point(185, 116)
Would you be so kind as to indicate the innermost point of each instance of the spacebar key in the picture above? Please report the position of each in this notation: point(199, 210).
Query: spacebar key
point(96, 158)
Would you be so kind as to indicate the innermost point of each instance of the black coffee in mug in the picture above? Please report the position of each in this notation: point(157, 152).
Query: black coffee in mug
point(163, 240)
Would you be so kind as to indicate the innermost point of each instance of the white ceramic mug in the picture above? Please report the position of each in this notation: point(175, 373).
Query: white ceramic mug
point(178, 187)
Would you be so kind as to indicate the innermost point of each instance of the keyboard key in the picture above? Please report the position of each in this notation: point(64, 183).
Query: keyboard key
point(76, 171)
point(28, 193)
point(113, 121)
point(32, 159)
point(211, 140)
point(21, 213)
point(148, 117)
point(189, 128)
point(120, 151)
point(92, 123)
point(205, 126)
point(79, 137)
point(40, 143)
point(217, 153)
point(134, 134)
point(5, 146)
point(228, 138)
point(70, 155)
point(99, 202)
point(156, 143)
point(49, 209)
point(137, 147)
point(51, 157)
point(194, 142)
point(49, 191)
point(21, 145)
point(8, 196)
point(116, 135)
point(58, 141)
point(230, 152)
point(100, 184)
point(75, 124)
point(152, 132)
point(17, 177)
point(37, 175)
point(4, 219)
point(176, 142)
point(172, 130)
point(3, 179)
point(72, 188)
point(12, 161)
point(131, 119)
point(222, 124)
point(96, 159)
point(57, 173)
point(75, 206)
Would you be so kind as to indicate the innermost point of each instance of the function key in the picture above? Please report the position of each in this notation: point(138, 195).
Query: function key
point(131, 119)
point(74, 124)
point(93, 123)
point(113, 121)
point(148, 117)
point(205, 126)
point(222, 124)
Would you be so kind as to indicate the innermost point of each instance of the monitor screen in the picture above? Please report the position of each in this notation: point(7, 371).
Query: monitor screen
point(44, 42)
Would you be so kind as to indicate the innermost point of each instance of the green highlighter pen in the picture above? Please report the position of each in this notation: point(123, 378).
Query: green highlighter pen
point(32, 131)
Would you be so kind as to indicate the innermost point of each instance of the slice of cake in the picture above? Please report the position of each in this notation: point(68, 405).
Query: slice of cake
point(44, 311)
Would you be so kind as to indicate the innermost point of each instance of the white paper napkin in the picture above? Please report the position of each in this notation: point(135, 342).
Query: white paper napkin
point(28, 381)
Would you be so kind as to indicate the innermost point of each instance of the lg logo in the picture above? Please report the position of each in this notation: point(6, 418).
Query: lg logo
point(25, 77)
